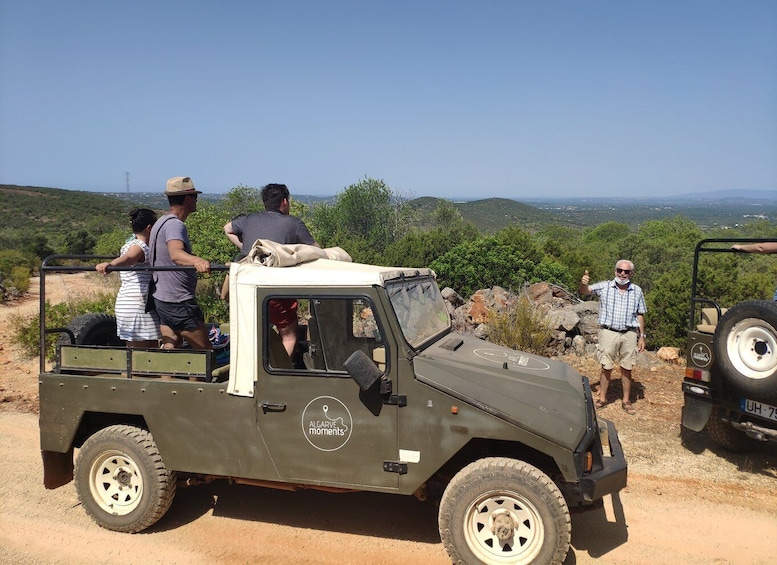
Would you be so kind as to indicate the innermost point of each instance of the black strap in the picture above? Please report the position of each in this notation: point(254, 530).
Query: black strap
point(156, 239)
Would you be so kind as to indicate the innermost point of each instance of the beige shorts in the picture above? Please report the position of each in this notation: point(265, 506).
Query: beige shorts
point(613, 345)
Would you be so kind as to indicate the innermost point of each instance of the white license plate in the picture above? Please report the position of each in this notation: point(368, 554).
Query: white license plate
point(759, 409)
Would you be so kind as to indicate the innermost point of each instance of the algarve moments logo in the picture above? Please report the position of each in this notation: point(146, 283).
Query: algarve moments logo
point(327, 423)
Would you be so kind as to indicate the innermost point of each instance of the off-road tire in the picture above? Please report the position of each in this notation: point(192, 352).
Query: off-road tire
point(490, 489)
point(92, 329)
point(745, 346)
point(726, 436)
point(121, 479)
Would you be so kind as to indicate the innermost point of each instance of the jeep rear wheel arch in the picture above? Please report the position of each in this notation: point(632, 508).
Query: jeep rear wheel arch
point(502, 510)
point(745, 347)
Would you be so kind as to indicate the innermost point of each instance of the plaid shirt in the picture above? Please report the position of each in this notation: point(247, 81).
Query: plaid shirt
point(618, 310)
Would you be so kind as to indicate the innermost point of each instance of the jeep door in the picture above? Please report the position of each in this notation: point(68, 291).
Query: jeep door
point(318, 425)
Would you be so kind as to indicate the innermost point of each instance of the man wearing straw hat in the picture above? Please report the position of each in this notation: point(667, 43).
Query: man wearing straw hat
point(180, 315)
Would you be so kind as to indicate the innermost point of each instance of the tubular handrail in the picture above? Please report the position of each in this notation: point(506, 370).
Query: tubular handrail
point(700, 248)
point(48, 266)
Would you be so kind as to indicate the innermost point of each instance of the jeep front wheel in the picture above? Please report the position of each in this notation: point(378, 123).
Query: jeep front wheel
point(121, 480)
point(501, 510)
point(745, 346)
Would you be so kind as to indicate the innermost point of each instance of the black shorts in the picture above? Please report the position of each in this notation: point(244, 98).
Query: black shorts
point(180, 316)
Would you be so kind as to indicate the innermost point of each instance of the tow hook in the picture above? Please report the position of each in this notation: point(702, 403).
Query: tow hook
point(504, 528)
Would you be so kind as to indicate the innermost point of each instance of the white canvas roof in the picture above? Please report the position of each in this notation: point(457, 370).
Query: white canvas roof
point(321, 272)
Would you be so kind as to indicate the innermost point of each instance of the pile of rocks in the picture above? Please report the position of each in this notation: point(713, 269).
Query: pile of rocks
point(574, 322)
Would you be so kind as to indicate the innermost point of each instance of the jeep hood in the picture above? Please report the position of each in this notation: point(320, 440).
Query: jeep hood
point(535, 393)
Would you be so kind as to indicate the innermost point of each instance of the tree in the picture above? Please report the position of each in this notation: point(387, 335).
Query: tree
point(660, 247)
point(419, 249)
point(488, 262)
point(39, 246)
point(522, 241)
point(241, 200)
point(564, 245)
point(206, 233)
point(364, 219)
point(110, 243)
point(80, 242)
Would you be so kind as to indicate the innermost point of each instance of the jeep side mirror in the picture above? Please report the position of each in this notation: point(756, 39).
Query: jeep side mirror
point(362, 369)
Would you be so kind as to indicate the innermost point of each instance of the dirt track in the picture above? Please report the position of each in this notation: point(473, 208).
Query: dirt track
point(687, 502)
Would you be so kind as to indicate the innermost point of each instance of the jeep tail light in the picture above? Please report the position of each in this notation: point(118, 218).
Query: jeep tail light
point(697, 374)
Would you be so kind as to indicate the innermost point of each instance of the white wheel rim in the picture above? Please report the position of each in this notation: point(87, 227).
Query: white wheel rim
point(752, 348)
point(115, 482)
point(528, 530)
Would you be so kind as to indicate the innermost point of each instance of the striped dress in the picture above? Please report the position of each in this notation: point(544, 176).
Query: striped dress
point(132, 321)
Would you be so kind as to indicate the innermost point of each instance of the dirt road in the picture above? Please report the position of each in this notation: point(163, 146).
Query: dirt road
point(687, 502)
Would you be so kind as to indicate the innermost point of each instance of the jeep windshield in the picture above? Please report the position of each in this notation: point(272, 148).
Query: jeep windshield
point(420, 309)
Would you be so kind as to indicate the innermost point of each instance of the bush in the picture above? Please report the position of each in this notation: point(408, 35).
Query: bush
point(490, 261)
point(10, 258)
point(524, 327)
point(110, 243)
point(26, 329)
point(209, 298)
point(20, 278)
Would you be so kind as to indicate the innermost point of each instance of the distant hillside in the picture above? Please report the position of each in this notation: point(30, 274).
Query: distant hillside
point(720, 209)
point(735, 193)
point(27, 211)
point(492, 214)
point(53, 211)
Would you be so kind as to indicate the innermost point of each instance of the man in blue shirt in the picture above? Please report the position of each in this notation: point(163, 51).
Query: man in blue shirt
point(621, 328)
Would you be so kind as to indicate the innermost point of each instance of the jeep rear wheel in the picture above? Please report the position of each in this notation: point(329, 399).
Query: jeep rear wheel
point(501, 510)
point(745, 346)
point(121, 480)
point(726, 436)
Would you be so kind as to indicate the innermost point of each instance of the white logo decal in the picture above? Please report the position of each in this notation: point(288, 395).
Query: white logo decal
point(701, 355)
point(326, 423)
point(514, 359)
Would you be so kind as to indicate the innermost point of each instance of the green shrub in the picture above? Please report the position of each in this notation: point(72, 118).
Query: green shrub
point(209, 298)
point(524, 326)
point(26, 329)
point(110, 243)
point(20, 278)
point(10, 258)
point(490, 261)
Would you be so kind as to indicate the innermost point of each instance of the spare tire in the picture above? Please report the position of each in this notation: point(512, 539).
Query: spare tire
point(745, 346)
point(92, 329)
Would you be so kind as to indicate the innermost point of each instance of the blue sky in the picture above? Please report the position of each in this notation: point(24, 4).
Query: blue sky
point(515, 98)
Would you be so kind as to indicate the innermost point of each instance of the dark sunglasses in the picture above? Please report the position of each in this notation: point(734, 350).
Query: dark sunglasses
point(623, 271)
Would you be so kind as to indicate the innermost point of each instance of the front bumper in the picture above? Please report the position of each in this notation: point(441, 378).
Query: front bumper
point(610, 478)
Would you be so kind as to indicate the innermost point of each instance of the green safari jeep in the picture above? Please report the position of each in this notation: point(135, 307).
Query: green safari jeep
point(380, 395)
point(730, 384)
